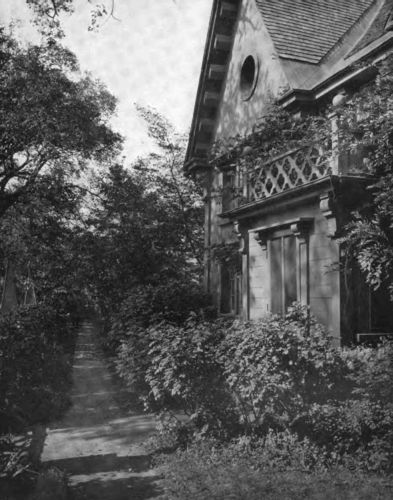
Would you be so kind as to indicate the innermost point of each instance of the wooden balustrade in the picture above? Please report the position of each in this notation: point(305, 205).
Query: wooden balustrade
point(292, 169)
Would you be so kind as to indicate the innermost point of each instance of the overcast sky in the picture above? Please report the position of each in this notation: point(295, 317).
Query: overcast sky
point(152, 56)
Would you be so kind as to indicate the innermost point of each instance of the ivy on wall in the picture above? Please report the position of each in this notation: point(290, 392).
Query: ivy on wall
point(364, 119)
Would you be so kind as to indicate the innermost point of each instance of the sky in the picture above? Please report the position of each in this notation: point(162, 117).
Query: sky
point(151, 56)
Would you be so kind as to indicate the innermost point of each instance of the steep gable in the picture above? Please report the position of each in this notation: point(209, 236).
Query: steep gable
point(302, 51)
point(242, 102)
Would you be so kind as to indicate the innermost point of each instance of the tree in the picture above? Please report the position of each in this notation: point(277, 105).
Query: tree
point(50, 116)
point(147, 223)
point(164, 171)
point(40, 236)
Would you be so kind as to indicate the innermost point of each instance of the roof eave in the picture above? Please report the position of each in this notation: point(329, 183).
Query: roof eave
point(216, 15)
point(341, 77)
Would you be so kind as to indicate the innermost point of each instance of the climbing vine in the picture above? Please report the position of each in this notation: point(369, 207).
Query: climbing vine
point(277, 132)
point(364, 119)
point(227, 254)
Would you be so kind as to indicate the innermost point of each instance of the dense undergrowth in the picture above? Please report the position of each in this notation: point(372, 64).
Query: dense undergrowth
point(36, 348)
point(278, 466)
point(266, 408)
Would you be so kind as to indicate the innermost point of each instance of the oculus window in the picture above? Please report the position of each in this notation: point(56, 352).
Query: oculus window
point(248, 77)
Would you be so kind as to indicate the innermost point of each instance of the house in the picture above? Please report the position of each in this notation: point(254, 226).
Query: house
point(307, 54)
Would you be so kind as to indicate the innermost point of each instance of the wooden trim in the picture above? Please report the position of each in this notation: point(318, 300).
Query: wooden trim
point(300, 224)
point(295, 196)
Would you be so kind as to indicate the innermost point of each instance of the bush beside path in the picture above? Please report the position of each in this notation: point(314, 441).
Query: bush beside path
point(98, 442)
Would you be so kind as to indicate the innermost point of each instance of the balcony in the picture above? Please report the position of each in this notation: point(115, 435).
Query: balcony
point(287, 171)
point(290, 170)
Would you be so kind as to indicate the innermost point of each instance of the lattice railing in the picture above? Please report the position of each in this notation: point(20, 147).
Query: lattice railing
point(287, 171)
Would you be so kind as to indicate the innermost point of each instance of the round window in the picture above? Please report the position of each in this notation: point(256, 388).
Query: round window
point(248, 77)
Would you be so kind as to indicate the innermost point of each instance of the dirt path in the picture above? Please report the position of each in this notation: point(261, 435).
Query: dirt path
point(98, 442)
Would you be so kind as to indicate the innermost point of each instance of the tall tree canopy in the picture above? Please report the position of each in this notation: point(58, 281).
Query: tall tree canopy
point(147, 223)
point(49, 116)
point(40, 237)
point(141, 225)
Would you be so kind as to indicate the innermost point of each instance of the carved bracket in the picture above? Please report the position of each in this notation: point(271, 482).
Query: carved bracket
point(301, 229)
point(327, 207)
point(261, 237)
point(242, 239)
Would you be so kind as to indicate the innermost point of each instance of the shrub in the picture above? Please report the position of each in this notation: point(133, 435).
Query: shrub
point(348, 426)
point(372, 372)
point(361, 426)
point(232, 377)
point(184, 373)
point(132, 360)
point(280, 466)
point(146, 305)
point(276, 367)
point(278, 373)
point(35, 373)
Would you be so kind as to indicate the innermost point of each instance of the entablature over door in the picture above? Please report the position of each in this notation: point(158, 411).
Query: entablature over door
point(299, 227)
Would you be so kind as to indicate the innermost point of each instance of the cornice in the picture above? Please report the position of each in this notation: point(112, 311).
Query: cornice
point(214, 68)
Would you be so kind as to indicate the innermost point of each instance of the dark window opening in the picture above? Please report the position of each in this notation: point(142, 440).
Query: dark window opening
point(248, 77)
point(231, 291)
point(283, 273)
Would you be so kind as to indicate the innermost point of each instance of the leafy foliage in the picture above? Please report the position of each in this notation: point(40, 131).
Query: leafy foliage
point(49, 116)
point(366, 121)
point(47, 14)
point(183, 372)
point(13, 457)
point(281, 466)
point(146, 226)
point(227, 254)
point(277, 375)
point(336, 448)
point(232, 377)
point(41, 235)
point(277, 367)
point(35, 372)
point(277, 132)
point(146, 305)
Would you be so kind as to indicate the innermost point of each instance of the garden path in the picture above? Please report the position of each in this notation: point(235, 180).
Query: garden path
point(98, 442)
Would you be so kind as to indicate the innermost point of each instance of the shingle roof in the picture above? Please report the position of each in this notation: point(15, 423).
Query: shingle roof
point(306, 30)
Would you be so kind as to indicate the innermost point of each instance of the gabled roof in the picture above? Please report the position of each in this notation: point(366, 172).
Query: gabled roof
point(318, 44)
point(306, 30)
